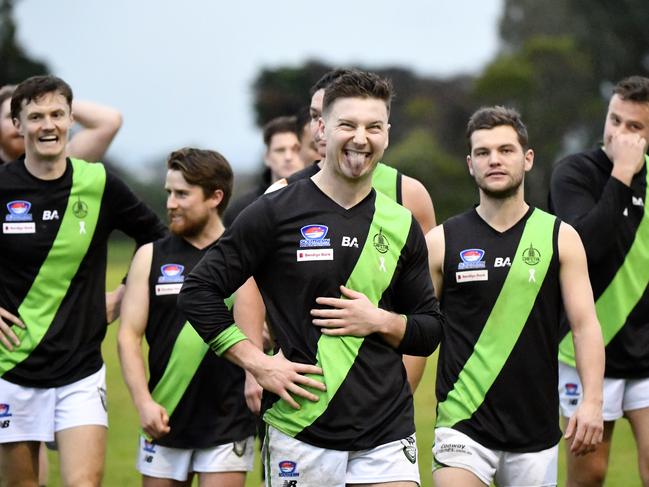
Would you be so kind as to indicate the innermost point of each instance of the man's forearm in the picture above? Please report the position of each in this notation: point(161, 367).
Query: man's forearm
point(590, 358)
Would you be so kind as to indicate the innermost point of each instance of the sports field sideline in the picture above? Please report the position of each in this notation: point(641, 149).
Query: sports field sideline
point(122, 436)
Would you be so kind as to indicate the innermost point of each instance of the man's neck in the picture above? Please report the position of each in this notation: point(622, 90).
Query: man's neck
point(502, 214)
point(46, 169)
point(344, 191)
point(210, 233)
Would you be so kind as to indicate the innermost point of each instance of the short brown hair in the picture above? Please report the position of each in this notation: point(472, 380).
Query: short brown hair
point(633, 88)
point(487, 118)
point(358, 84)
point(35, 87)
point(205, 168)
point(280, 125)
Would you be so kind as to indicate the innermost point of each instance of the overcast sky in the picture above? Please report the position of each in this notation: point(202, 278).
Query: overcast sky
point(181, 72)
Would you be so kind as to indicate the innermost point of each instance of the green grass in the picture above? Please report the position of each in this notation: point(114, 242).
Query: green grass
point(123, 430)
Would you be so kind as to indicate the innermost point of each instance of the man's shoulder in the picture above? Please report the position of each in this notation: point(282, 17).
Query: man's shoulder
point(591, 161)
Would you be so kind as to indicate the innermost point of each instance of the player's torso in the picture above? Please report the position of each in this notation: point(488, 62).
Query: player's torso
point(54, 271)
point(520, 386)
point(317, 246)
point(202, 392)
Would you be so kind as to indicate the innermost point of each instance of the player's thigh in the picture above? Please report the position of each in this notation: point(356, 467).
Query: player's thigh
point(453, 477)
point(589, 469)
point(222, 479)
point(533, 469)
point(394, 462)
point(82, 450)
point(455, 455)
point(19, 464)
point(158, 482)
point(639, 419)
point(292, 463)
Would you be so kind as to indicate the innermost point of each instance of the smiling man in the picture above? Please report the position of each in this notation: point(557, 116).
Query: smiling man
point(400, 188)
point(60, 213)
point(192, 411)
point(355, 294)
point(502, 272)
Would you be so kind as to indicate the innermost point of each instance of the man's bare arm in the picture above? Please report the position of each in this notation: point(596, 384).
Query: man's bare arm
point(135, 310)
point(99, 125)
point(585, 427)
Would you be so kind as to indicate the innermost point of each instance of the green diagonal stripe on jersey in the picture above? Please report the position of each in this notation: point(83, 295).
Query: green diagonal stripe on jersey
point(504, 325)
point(625, 290)
point(384, 180)
point(186, 356)
point(371, 275)
point(69, 248)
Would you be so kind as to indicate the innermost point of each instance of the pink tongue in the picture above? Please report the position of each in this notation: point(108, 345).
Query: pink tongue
point(356, 161)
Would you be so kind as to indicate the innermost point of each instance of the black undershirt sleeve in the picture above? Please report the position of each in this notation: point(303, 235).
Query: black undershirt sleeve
point(130, 214)
point(574, 199)
point(415, 298)
point(224, 268)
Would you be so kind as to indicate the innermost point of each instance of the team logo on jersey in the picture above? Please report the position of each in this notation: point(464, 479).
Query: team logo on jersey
point(314, 236)
point(637, 201)
point(471, 259)
point(171, 273)
point(19, 219)
point(4, 411)
point(80, 208)
point(381, 243)
point(572, 389)
point(410, 449)
point(19, 211)
point(239, 447)
point(531, 256)
point(102, 396)
point(288, 468)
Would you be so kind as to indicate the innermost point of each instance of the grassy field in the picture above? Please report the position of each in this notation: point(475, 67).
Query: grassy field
point(122, 437)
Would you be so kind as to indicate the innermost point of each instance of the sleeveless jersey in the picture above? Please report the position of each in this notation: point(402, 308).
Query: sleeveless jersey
point(202, 393)
point(497, 369)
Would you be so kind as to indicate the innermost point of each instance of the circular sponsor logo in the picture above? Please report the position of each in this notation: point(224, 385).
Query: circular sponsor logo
point(531, 256)
point(80, 209)
point(381, 242)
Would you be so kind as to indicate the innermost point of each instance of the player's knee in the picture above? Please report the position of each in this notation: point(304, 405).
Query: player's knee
point(591, 476)
point(83, 479)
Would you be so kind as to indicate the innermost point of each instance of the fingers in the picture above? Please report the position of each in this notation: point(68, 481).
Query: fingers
point(571, 427)
point(7, 336)
point(309, 382)
point(335, 331)
point(287, 397)
point(587, 437)
point(327, 313)
point(350, 293)
point(306, 369)
point(296, 390)
point(333, 302)
point(11, 318)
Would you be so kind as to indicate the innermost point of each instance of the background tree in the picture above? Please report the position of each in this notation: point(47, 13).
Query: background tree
point(15, 64)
